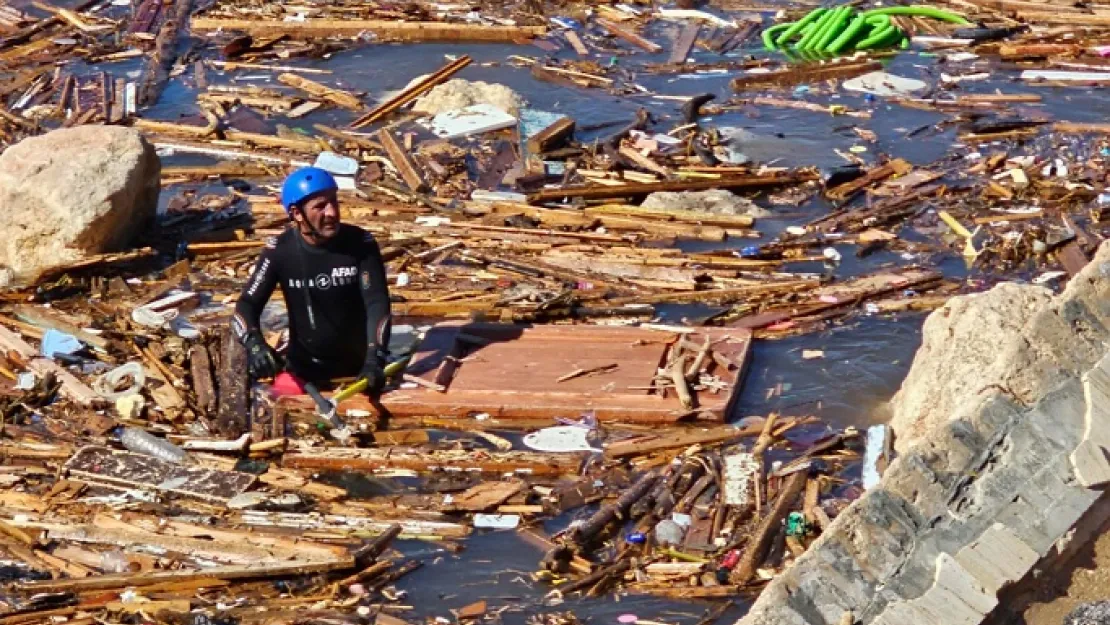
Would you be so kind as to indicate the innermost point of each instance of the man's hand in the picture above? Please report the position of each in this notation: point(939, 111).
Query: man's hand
point(263, 361)
point(374, 374)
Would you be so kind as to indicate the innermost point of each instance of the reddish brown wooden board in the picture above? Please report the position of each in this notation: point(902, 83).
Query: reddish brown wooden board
point(510, 371)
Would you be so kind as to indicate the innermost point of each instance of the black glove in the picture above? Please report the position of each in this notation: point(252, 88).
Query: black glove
point(264, 362)
point(374, 374)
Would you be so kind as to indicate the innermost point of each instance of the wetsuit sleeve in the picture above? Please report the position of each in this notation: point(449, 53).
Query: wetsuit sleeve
point(248, 310)
point(375, 296)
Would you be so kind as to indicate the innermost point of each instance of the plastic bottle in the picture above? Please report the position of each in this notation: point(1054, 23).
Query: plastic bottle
point(140, 442)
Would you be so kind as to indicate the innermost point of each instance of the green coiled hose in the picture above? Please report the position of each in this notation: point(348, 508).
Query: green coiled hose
point(838, 30)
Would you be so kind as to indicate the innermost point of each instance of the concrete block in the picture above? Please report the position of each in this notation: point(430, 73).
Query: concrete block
point(910, 478)
point(955, 578)
point(997, 558)
point(1091, 458)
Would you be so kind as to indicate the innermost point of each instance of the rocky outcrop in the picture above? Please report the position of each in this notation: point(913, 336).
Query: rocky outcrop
point(956, 362)
point(989, 493)
point(1095, 613)
point(716, 201)
point(74, 192)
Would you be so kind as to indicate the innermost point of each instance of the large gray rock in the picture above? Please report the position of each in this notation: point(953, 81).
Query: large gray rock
point(1004, 483)
point(715, 201)
point(955, 363)
point(74, 192)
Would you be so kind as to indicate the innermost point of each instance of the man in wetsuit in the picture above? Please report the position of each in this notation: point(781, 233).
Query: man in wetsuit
point(333, 279)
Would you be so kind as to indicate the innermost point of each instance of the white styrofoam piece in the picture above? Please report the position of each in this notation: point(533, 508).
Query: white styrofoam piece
point(1064, 76)
point(876, 443)
point(884, 84)
point(472, 120)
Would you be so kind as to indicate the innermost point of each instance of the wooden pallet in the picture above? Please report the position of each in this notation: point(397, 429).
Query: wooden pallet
point(511, 372)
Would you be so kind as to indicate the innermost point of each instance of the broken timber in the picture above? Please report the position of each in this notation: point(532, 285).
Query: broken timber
point(384, 29)
point(411, 93)
point(402, 161)
point(233, 385)
point(792, 76)
point(643, 189)
point(315, 89)
point(630, 36)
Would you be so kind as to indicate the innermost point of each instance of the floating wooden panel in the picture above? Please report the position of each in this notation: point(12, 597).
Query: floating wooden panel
point(123, 469)
point(510, 371)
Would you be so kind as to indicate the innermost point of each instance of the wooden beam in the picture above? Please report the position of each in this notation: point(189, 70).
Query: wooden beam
point(335, 96)
point(684, 43)
point(234, 405)
point(551, 137)
point(138, 580)
point(795, 75)
point(385, 29)
point(642, 189)
point(411, 93)
point(402, 161)
point(629, 36)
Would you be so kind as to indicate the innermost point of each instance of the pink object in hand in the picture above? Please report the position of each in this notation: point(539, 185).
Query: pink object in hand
point(286, 384)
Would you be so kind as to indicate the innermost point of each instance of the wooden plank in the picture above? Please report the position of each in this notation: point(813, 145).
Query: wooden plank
point(896, 167)
point(684, 43)
point(643, 189)
point(72, 388)
point(122, 469)
point(402, 161)
point(485, 496)
point(551, 137)
point(200, 366)
point(124, 580)
point(629, 36)
point(576, 42)
point(234, 381)
point(335, 96)
point(807, 74)
point(412, 92)
point(528, 463)
point(385, 29)
point(1072, 257)
point(677, 440)
point(671, 214)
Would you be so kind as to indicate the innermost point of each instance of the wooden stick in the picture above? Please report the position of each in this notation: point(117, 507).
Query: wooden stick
point(124, 580)
point(335, 96)
point(388, 29)
point(678, 376)
point(402, 161)
point(630, 36)
point(760, 541)
point(581, 372)
point(411, 93)
point(642, 189)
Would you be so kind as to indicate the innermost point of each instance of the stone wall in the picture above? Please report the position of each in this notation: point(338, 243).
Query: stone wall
point(986, 493)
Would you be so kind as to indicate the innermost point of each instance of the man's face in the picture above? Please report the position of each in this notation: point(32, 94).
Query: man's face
point(321, 213)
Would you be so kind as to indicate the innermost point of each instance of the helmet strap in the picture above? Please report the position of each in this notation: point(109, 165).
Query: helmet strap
point(307, 225)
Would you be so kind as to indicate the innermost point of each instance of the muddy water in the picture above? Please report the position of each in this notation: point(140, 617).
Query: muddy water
point(865, 356)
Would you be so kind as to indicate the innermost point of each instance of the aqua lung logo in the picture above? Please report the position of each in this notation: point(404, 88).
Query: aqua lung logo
point(340, 276)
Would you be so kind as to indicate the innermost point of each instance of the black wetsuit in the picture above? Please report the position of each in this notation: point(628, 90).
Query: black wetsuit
point(337, 299)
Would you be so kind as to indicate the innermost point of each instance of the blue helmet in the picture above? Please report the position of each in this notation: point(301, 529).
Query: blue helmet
point(304, 183)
